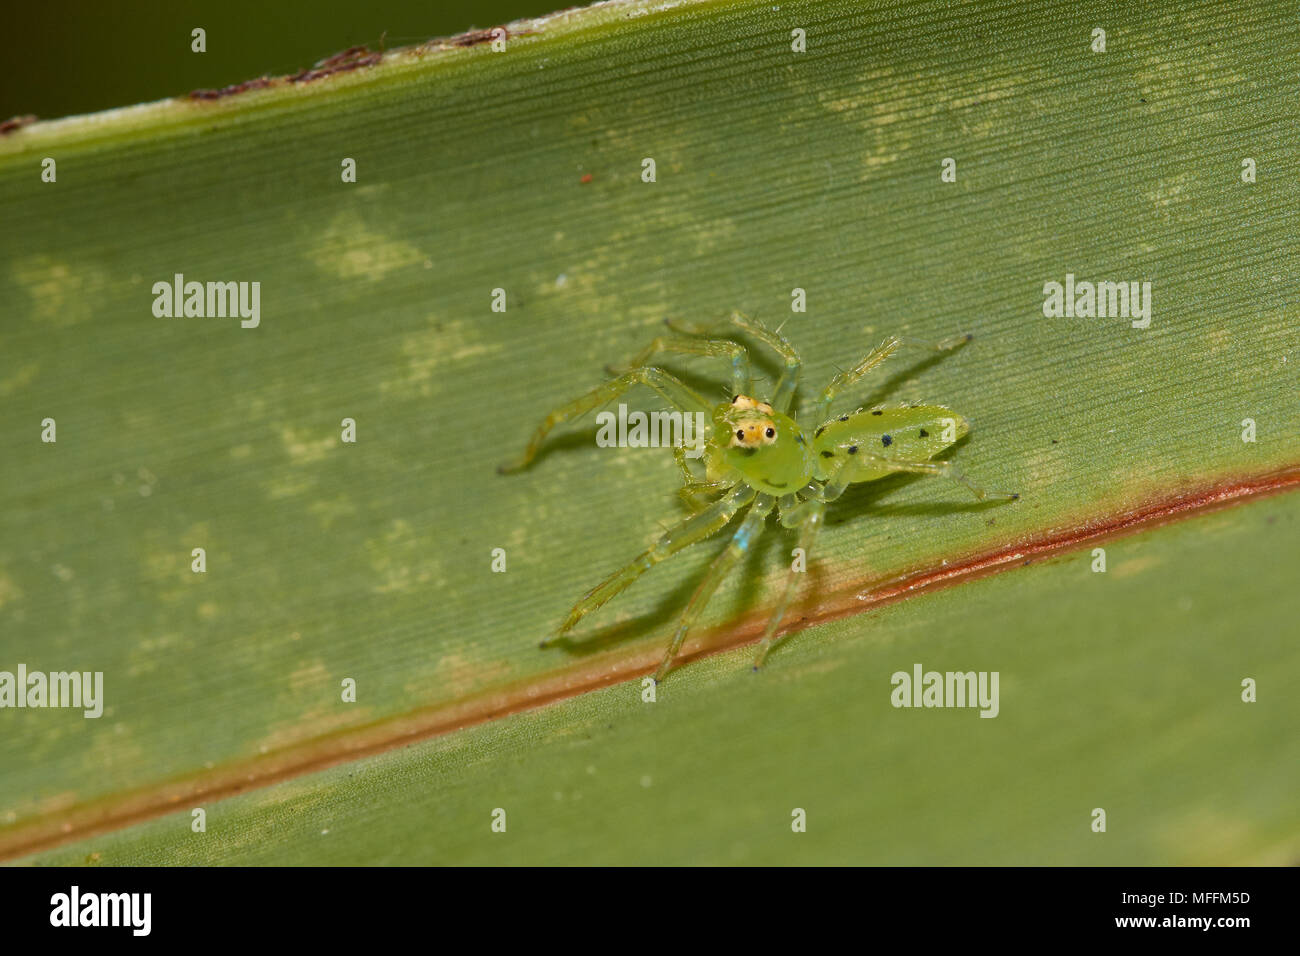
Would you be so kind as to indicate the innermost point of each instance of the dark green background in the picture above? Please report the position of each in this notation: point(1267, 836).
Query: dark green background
point(64, 58)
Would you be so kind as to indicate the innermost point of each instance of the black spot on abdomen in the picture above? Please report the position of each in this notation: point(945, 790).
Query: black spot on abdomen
point(828, 454)
point(924, 434)
point(886, 440)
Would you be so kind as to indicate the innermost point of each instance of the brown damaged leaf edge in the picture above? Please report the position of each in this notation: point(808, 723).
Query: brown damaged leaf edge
point(353, 58)
point(256, 84)
point(350, 59)
point(475, 37)
point(16, 122)
point(123, 810)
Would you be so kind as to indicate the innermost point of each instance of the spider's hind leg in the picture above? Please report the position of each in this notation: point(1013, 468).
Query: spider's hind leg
point(740, 542)
point(696, 528)
point(874, 358)
point(807, 516)
point(943, 469)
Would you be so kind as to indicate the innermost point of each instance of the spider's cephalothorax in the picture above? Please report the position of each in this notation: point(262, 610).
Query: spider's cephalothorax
point(758, 459)
point(753, 443)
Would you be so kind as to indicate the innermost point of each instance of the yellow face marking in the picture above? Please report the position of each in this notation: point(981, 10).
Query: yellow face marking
point(745, 403)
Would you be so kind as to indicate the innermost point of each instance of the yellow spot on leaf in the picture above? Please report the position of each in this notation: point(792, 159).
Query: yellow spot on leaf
point(349, 249)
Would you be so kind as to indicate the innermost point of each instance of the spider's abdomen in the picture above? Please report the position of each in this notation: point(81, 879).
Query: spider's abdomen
point(901, 432)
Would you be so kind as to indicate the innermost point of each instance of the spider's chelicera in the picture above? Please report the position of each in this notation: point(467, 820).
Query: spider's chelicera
point(758, 459)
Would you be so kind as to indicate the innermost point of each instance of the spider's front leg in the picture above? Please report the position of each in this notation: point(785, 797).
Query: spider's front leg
point(740, 542)
point(789, 380)
point(742, 380)
point(682, 397)
point(693, 529)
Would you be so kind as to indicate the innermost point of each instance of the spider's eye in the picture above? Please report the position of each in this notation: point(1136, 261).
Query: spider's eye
point(740, 434)
point(771, 433)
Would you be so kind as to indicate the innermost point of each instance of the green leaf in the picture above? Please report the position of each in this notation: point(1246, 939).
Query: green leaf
point(1118, 690)
point(776, 170)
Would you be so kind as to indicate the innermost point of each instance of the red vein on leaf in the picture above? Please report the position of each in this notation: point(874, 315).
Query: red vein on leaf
point(600, 670)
